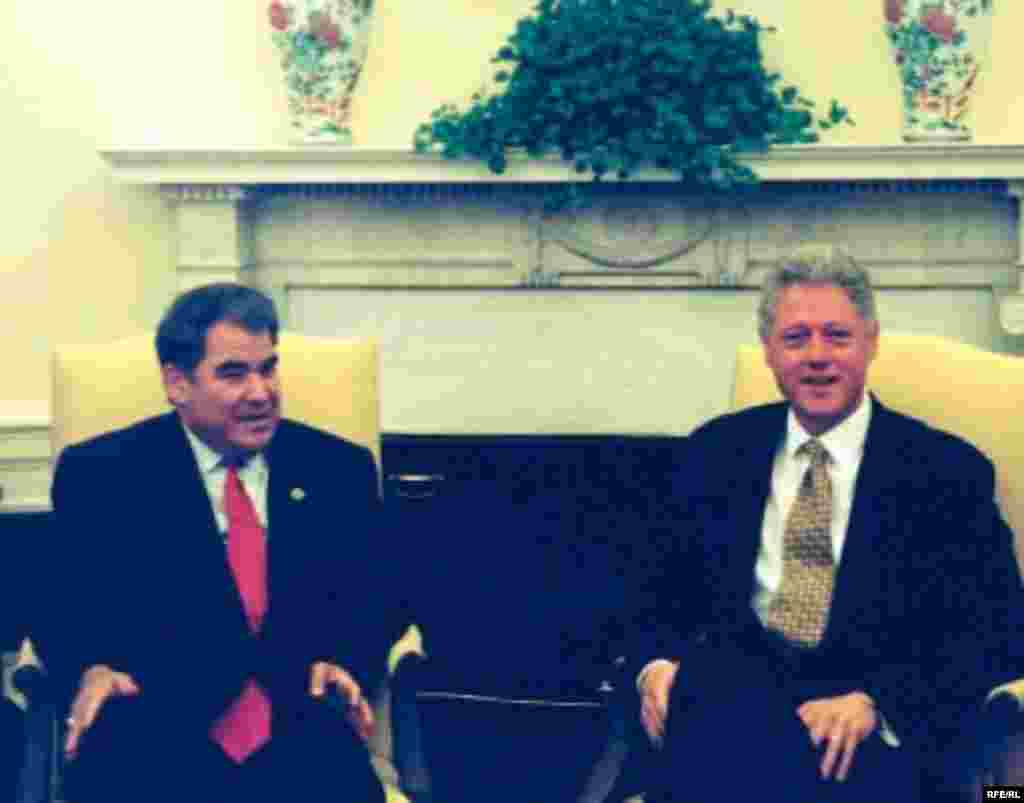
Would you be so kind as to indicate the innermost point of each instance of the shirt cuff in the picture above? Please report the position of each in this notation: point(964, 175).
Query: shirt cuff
point(886, 732)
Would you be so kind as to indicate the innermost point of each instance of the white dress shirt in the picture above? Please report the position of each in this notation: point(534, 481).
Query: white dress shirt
point(845, 445)
point(254, 476)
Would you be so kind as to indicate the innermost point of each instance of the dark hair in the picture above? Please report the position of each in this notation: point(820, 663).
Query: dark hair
point(815, 263)
point(181, 335)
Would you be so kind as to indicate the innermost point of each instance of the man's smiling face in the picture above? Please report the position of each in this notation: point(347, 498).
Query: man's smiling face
point(819, 349)
point(232, 401)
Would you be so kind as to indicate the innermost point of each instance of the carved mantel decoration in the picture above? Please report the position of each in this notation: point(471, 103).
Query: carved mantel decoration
point(916, 216)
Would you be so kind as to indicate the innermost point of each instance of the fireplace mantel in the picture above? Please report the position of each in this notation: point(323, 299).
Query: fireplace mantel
point(233, 222)
point(326, 165)
point(496, 317)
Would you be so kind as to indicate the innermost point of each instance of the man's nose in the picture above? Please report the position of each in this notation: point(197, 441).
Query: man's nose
point(260, 387)
point(818, 350)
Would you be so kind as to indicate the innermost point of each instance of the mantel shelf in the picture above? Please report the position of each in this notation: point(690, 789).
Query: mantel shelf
point(328, 165)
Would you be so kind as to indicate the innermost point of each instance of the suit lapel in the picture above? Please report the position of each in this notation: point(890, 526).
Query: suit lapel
point(192, 500)
point(285, 501)
point(751, 468)
point(199, 540)
point(876, 491)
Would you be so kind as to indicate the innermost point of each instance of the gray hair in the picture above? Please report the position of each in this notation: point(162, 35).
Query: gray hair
point(815, 263)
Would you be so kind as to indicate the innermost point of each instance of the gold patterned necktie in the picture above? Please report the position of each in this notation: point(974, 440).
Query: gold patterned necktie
point(799, 610)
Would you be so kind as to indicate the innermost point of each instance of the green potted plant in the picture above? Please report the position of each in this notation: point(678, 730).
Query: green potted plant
point(615, 85)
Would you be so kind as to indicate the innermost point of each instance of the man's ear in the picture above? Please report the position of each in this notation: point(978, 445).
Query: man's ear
point(177, 385)
point(766, 352)
point(874, 331)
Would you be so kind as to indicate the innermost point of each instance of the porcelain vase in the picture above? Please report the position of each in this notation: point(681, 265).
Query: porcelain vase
point(940, 48)
point(323, 46)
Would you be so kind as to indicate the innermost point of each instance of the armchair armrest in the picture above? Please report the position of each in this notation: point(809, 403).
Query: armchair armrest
point(407, 735)
point(1002, 729)
point(607, 770)
point(32, 682)
point(394, 747)
point(1007, 694)
point(620, 771)
point(40, 772)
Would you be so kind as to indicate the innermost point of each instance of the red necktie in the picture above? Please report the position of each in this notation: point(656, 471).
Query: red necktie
point(245, 726)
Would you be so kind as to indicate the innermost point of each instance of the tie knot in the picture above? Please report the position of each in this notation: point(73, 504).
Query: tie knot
point(234, 465)
point(815, 450)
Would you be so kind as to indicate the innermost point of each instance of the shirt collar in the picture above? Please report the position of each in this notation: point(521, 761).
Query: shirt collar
point(844, 442)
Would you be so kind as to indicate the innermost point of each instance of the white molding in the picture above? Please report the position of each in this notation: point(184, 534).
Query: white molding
point(218, 193)
point(21, 414)
point(24, 456)
point(329, 165)
point(290, 217)
point(637, 236)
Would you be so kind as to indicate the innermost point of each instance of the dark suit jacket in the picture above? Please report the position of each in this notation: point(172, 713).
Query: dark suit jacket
point(925, 590)
point(149, 590)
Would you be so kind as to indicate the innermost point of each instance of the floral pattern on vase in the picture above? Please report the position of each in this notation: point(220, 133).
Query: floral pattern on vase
point(323, 46)
point(939, 47)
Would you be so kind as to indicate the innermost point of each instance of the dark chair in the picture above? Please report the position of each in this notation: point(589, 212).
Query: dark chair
point(521, 547)
point(502, 749)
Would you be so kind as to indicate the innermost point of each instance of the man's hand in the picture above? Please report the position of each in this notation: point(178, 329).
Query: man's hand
point(657, 683)
point(99, 683)
point(360, 715)
point(844, 722)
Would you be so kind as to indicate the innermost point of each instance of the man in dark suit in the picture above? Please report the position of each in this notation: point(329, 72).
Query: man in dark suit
point(836, 598)
point(222, 576)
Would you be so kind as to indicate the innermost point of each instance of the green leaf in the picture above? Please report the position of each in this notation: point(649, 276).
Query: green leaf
point(837, 113)
point(614, 84)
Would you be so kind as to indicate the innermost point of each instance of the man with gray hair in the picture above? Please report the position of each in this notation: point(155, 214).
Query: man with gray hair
point(833, 601)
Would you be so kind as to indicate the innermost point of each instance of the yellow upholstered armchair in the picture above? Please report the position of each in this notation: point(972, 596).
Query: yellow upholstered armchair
point(328, 383)
point(959, 388)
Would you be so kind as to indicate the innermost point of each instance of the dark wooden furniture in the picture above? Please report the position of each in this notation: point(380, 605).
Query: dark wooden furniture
point(523, 551)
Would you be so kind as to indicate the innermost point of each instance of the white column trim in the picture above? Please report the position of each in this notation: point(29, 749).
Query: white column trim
point(24, 456)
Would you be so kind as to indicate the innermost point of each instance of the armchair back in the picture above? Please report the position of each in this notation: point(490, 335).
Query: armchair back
point(327, 383)
point(956, 387)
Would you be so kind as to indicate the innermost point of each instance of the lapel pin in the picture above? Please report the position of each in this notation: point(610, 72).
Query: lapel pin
point(297, 494)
